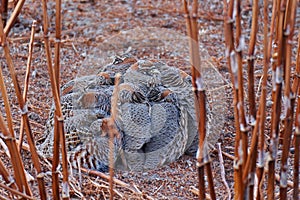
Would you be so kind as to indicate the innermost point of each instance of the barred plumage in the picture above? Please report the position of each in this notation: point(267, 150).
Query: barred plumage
point(155, 116)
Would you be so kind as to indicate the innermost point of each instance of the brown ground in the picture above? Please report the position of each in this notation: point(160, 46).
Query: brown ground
point(86, 24)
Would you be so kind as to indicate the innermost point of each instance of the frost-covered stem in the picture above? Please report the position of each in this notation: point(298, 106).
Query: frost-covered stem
point(297, 153)
point(200, 99)
point(251, 58)
point(24, 110)
point(241, 110)
point(276, 95)
point(296, 80)
point(250, 164)
point(262, 107)
point(243, 154)
point(295, 90)
point(289, 98)
point(230, 54)
point(26, 82)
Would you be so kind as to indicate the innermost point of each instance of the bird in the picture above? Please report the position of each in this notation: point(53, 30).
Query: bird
point(155, 120)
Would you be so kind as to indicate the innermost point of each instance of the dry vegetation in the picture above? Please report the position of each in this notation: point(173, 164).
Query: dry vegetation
point(253, 46)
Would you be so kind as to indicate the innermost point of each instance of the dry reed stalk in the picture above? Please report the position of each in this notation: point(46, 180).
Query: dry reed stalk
point(6, 177)
point(262, 109)
point(112, 131)
point(6, 104)
point(295, 90)
point(60, 125)
point(4, 8)
point(296, 80)
point(58, 119)
point(222, 169)
point(250, 163)
point(4, 173)
point(231, 61)
point(57, 43)
point(250, 166)
point(250, 59)
point(297, 152)
point(276, 98)
point(107, 177)
point(58, 111)
point(16, 192)
point(273, 136)
point(13, 16)
point(289, 99)
point(258, 132)
point(239, 57)
point(55, 160)
point(235, 66)
point(26, 82)
point(200, 100)
point(17, 164)
point(24, 111)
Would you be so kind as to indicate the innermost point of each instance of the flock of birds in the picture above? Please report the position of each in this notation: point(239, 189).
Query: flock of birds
point(152, 109)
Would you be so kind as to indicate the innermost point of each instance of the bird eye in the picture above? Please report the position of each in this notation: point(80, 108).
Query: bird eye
point(117, 61)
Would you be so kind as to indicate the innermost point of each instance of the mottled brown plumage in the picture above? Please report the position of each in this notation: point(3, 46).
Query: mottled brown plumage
point(155, 117)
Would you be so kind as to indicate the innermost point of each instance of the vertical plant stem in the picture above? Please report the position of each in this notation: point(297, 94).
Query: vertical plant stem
point(241, 110)
point(112, 134)
point(200, 99)
point(262, 109)
point(65, 186)
point(295, 90)
point(13, 16)
point(5, 175)
point(4, 8)
point(210, 180)
point(24, 111)
point(65, 183)
point(57, 43)
point(274, 129)
point(232, 67)
point(55, 160)
point(251, 57)
point(243, 145)
point(250, 163)
point(17, 164)
point(26, 82)
point(297, 153)
point(6, 104)
point(289, 99)
point(277, 71)
point(296, 80)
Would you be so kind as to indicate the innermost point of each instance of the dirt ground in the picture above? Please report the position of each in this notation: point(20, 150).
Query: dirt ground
point(87, 26)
